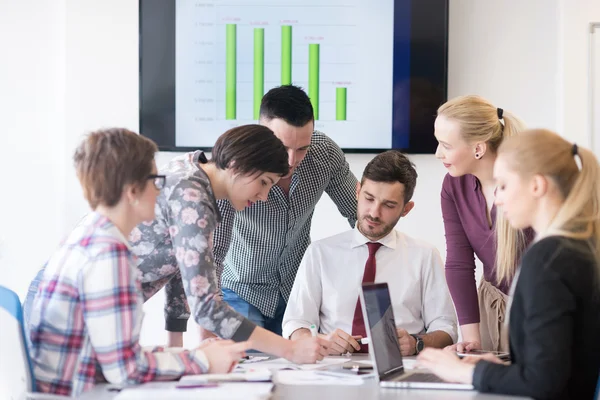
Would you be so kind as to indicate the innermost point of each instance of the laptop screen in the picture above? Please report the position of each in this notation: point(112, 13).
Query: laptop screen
point(381, 326)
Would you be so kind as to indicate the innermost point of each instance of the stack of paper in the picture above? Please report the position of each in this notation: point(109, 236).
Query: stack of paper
point(255, 375)
point(282, 363)
point(317, 378)
point(221, 391)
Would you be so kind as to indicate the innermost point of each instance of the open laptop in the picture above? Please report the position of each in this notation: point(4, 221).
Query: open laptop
point(384, 347)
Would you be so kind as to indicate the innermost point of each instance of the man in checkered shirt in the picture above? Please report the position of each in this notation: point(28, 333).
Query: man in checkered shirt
point(258, 250)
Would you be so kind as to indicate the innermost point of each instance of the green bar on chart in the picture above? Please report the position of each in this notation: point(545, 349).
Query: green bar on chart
point(230, 71)
point(286, 54)
point(313, 77)
point(259, 69)
point(340, 103)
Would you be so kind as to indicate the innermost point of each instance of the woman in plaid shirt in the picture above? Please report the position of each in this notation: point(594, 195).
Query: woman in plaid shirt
point(87, 314)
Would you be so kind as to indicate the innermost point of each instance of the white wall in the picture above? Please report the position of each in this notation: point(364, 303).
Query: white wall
point(573, 67)
point(73, 64)
point(32, 140)
point(507, 51)
point(101, 77)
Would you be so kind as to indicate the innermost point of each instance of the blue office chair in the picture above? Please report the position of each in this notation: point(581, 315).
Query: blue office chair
point(16, 372)
point(597, 396)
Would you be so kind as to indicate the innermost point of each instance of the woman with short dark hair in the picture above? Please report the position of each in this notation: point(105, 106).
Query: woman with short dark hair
point(175, 250)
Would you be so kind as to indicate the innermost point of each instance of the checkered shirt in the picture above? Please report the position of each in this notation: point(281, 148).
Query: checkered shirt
point(258, 250)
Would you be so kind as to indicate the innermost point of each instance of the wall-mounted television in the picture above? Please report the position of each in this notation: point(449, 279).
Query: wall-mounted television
point(375, 70)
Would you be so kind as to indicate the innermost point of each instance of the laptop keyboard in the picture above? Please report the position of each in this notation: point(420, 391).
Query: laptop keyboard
point(420, 377)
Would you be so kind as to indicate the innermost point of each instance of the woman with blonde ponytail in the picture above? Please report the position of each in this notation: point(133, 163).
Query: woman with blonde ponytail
point(469, 130)
point(552, 186)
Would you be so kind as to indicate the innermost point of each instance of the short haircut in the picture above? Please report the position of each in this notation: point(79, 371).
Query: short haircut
point(250, 149)
point(392, 166)
point(289, 103)
point(108, 159)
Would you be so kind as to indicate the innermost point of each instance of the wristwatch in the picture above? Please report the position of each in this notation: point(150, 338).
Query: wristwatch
point(419, 344)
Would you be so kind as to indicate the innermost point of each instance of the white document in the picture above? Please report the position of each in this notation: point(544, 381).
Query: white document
point(326, 362)
point(253, 359)
point(317, 378)
point(224, 391)
point(254, 375)
point(282, 363)
point(273, 364)
point(407, 362)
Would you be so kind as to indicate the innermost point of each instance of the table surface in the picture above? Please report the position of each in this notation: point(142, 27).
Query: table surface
point(369, 390)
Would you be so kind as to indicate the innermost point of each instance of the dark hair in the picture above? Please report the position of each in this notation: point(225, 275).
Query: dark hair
point(251, 149)
point(289, 103)
point(108, 159)
point(392, 166)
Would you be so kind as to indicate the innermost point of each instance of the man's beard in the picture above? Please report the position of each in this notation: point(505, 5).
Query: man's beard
point(379, 231)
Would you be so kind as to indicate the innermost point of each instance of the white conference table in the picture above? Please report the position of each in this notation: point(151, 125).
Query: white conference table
point(369, 390)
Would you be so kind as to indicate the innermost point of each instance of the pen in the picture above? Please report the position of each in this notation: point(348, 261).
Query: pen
point(197, 385)
point(313, 330)
point(364, 340)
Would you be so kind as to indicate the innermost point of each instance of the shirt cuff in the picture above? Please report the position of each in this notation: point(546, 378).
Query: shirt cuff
point(244, 331)
point(290, 327)
point(199, 358)
point(176, 325)
point(449, 329)
point(479, 375)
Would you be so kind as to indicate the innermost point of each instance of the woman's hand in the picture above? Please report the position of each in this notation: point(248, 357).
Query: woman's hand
point(463, 347)
point(446, 365)
point(223, 355)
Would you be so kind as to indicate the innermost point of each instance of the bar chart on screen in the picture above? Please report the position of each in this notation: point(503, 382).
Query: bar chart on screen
point(229, 53)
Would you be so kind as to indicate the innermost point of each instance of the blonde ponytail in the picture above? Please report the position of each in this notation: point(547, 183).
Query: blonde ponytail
point(512, 125)
point(544, 152)
point(579, 215)
point(510, 243)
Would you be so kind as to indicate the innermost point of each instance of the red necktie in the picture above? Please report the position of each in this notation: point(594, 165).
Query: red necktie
point(358, 323)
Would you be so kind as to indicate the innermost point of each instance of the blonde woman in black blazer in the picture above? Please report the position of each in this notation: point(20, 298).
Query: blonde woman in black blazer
point(552, 186)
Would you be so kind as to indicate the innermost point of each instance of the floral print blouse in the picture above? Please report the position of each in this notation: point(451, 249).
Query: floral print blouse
point(175, 251)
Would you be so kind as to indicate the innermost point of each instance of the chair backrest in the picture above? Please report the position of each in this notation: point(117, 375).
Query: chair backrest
point(15, 365)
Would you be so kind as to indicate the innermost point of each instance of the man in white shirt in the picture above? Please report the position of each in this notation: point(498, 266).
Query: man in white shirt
point(326, 289)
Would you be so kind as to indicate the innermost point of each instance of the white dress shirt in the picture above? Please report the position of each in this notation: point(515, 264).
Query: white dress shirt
point(327, 286)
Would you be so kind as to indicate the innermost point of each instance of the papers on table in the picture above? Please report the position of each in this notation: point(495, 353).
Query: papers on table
point(286, 377)
point(216, 391)
point(253, 359)
point(255, 375)
point(282, 363)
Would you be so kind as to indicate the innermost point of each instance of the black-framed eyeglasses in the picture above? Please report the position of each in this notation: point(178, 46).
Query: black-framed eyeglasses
point(158, 180)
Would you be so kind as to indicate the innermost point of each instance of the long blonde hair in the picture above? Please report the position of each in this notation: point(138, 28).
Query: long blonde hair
point(480, 121)
point(544, 152)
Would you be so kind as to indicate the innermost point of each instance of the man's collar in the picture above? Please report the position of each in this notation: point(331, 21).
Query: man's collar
point(358, 239)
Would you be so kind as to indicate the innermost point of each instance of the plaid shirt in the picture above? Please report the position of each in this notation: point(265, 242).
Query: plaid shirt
point(258, 250)
point(87, 315)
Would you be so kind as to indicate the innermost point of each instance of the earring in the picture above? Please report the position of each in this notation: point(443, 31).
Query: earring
point(477, 156)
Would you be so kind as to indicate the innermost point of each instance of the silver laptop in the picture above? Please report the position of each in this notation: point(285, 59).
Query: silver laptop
point(384, 347)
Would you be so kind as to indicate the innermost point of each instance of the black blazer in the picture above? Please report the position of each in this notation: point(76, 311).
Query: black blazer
point(554, 326)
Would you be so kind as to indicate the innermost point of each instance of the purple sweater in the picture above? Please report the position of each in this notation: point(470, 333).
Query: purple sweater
point(467, 234)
